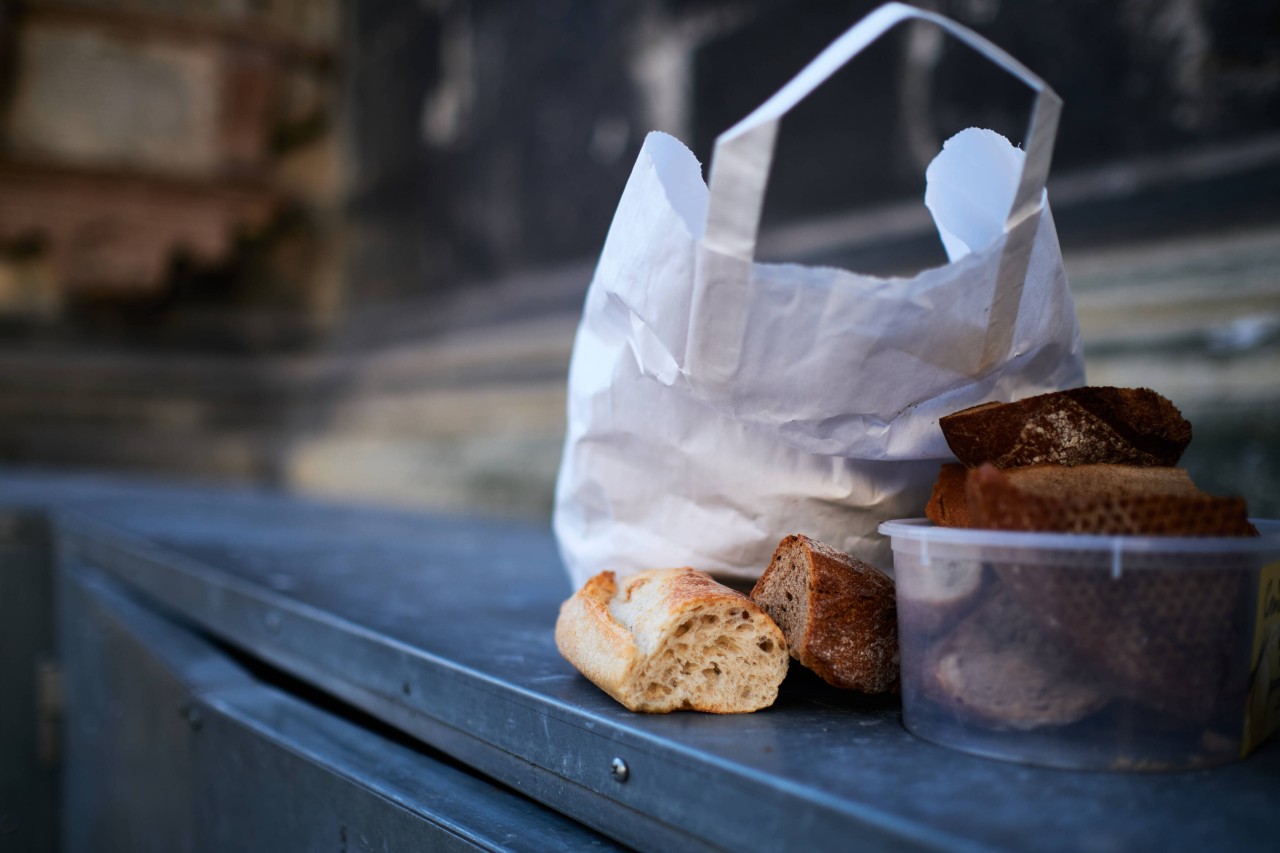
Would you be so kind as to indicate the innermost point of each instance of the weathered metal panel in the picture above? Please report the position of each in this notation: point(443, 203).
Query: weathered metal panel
point(443, 628)
point(29, 742)
point(173, 746)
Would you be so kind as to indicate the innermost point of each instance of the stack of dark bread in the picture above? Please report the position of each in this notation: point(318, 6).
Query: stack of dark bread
point(1088, 460)
point(1023, 646)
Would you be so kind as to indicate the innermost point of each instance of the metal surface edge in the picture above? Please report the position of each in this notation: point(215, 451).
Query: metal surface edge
point(281, 631)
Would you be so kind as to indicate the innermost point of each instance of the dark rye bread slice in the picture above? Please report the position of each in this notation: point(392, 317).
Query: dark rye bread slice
point(1162, 635)
point(1083, 426)
point(1159, 632)
point(839, 615)
point(1104, 499)
point(999, 667)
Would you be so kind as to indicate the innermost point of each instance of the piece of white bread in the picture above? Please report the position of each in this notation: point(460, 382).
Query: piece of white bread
point(673, 639)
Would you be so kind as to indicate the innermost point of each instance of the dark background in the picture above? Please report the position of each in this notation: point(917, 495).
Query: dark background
point(340, 248)
point(555, 115)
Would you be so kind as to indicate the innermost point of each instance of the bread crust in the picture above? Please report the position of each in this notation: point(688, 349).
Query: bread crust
point(1081, 426)
point(1159, 634)
point(591, 639)
point(1104, 499)
point(848, 630)
point(673, 639)
point(948, 506)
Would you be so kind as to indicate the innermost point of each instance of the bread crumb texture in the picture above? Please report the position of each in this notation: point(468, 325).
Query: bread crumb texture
point(673, 639)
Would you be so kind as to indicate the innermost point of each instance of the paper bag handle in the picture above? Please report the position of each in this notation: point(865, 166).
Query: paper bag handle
point(744, 153)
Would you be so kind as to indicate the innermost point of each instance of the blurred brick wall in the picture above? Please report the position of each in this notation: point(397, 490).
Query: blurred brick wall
point(171, 228)
point(142, 152)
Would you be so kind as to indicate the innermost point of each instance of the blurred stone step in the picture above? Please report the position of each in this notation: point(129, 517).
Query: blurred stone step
point(198, 454)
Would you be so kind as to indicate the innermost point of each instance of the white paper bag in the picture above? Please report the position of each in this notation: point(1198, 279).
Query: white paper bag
point(717, 404)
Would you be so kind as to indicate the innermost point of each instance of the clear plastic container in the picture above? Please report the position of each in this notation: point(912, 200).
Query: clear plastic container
point(1098, 652)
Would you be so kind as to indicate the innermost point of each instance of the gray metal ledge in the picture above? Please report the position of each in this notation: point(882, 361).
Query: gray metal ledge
point(175, 746)
point(442, 628)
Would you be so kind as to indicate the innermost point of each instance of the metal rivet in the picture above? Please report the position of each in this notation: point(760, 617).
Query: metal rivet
point(273, 622)
point(191, 714)
point(619, 769)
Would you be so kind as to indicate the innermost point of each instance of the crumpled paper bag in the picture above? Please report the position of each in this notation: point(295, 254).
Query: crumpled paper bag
point(717, 404)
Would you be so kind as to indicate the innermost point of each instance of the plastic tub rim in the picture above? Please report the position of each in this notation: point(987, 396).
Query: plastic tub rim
point(922, 530)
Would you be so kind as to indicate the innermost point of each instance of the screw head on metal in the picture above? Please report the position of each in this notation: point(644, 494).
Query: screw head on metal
point(618, 768)
point(191, 714)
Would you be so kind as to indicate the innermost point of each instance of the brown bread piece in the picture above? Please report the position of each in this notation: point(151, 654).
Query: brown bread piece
point(1161, 635)
point(1158, 633)
point(1083, 426)
point(671, 640)
point(1000, 667)
point(838, 614)
point(948, 506)
point(1106, 499)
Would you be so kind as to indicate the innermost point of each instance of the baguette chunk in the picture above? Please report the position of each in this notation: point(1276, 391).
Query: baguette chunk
point(671, 640)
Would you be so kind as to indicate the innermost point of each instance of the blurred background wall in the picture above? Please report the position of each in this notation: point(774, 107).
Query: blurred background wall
point(340, 247)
